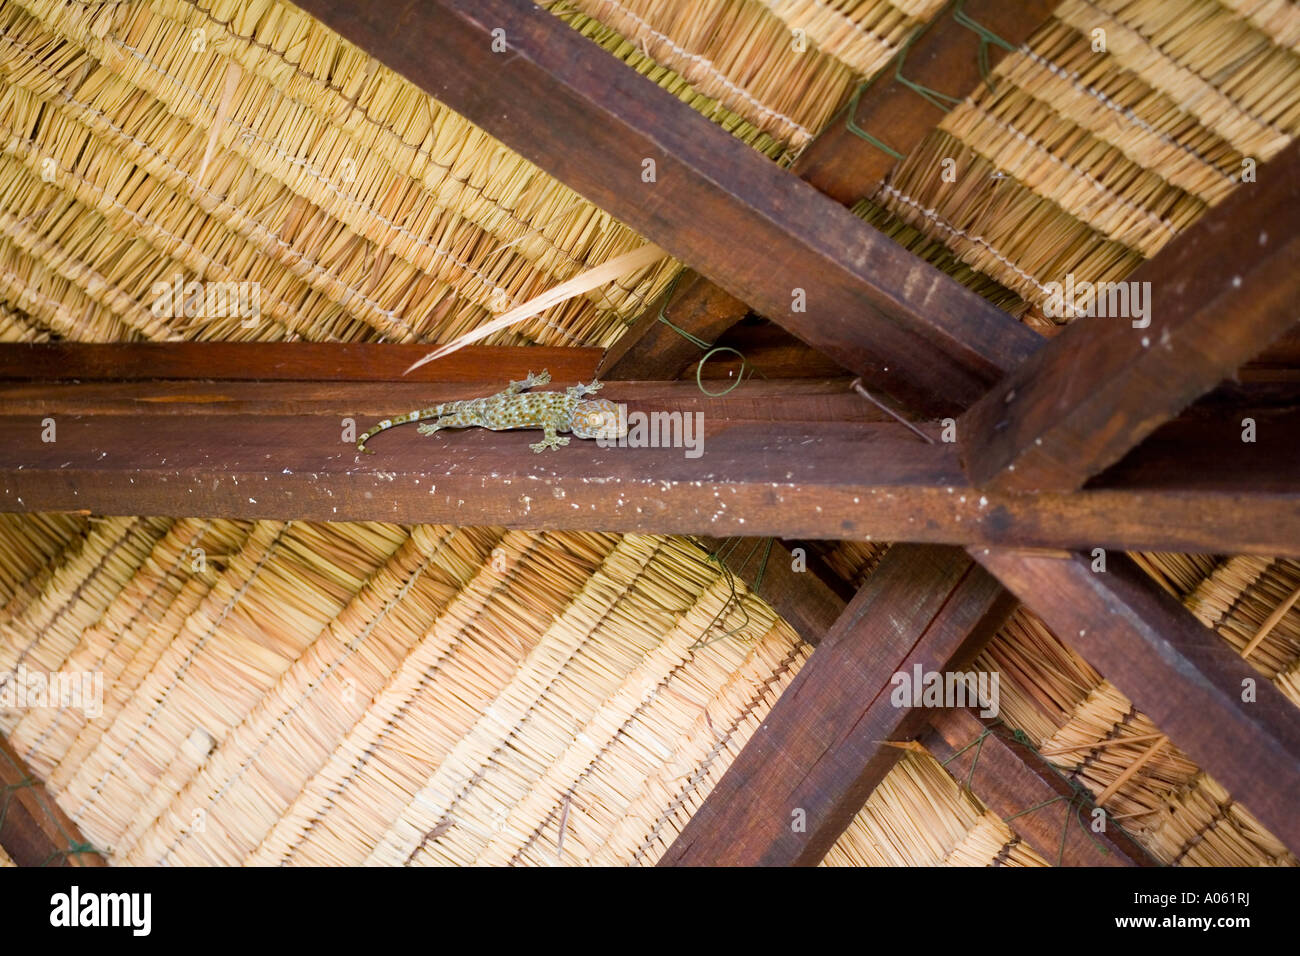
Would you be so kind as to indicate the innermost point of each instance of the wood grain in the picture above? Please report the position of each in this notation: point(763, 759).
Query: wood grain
point(1174, 669)
point(773, 462)
point(34, 831)
point(1220, 292)
point(817, 755)
point(753, 228)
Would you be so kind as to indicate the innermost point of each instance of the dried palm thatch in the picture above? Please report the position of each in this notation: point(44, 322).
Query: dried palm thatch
point(1087, 728)
point(244, 142)
point(247, 143)
point(920, 816)
point(1077, 161)
point(1093, 734)
point(372, 693)
point(785, 67)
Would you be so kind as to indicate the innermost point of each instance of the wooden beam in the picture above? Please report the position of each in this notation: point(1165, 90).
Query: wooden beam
point(1010, 778)
point(773, 462)
point(33, 830)
point(945, 57)
point(800, 400)
point(1204, 449)
point(818, 750)
point(286, 362)
point(843, 165)
point(1219, 293)
point(650, 349)
point(1175, 670)
point(803, 598)
point(726, 211)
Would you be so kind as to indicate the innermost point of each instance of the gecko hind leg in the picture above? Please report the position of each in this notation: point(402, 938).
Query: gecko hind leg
point(428, 428)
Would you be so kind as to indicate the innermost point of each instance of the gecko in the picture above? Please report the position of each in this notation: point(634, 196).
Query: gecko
point(554, 412)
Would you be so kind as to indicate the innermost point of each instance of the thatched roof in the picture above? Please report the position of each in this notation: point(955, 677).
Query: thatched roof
point(293, 692)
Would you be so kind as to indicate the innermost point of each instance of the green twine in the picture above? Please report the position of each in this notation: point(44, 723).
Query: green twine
point(851, 124)
point(978, 744)
point(10, 790)
point(1079, 797)
point(708, 348)
point(72, 850)
point(663, 317)
point(699, 371)
point(717, 559)
point(939, 100)
point(986, 37)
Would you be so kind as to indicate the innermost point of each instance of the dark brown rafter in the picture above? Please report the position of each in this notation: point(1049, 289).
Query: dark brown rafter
point(1221, 291)
point(806, 600)
point(753, 228)
point(844, 165)
point(946, 58)
point(1176, 670)
point(1007, 776)
point(1011, 778)
point(652, 349)
point(783, 458)
point(817, 756)
point(33, 830)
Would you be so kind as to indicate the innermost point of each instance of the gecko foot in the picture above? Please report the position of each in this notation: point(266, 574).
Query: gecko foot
point(427, 428)
point(541, 378)
point(545, 443)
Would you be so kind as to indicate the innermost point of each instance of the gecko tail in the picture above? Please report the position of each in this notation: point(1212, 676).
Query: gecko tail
point(431, 412)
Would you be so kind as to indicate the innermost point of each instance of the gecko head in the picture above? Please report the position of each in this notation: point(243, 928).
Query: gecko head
point(598, 418)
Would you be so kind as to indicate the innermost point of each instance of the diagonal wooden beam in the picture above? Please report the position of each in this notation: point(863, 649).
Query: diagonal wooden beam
point(945, 58)
point(815, 759)
point(33, 830)
point(843, 165)
point(652, 349)
point(753, 228)
point(1213, 704)
point(1007, 776)
point(804, 599)
point(1219, 293)
point(775, 459)
point(1010, 778)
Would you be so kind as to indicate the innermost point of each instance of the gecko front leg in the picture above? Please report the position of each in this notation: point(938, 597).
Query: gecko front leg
point(550, 439)
point(578, 391)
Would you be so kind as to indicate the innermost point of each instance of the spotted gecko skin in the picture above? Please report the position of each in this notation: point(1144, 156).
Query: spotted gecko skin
point(553, 412)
